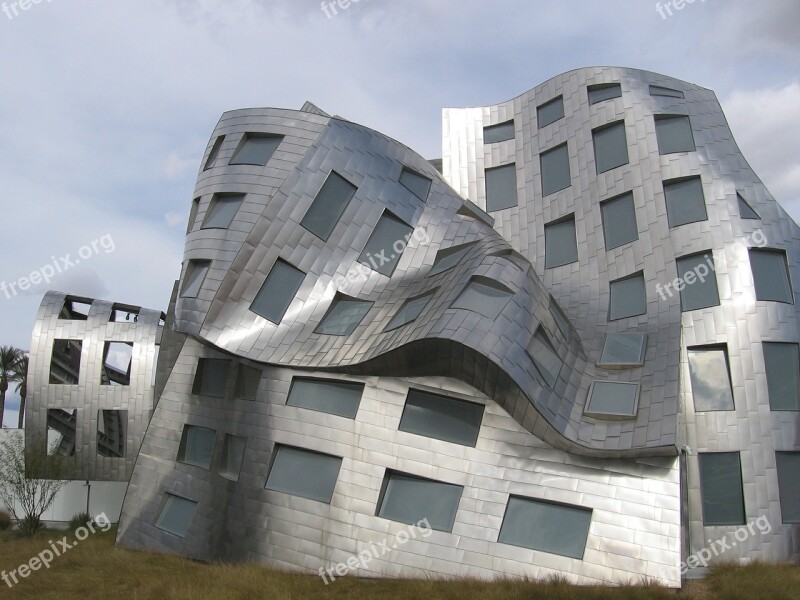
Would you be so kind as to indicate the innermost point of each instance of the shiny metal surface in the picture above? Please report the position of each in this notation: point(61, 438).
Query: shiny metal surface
point(582, 288)
point(99, 418)
point(536, 439)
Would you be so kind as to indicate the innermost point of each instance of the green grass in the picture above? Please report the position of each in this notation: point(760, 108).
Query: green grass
point(97, 569)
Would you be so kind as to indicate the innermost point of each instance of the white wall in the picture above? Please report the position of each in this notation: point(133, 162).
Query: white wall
point(104, 496)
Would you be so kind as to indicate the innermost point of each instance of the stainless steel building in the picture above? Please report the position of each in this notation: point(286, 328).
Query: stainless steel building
point(90, 386)
point(590, 368)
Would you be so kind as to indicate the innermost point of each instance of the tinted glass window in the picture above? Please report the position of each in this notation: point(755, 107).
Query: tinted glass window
point(550, 112)
point(721, 488)
point(328, 206)
point(304, 473)
point(255, 149)
point(555, 170)
point(619, 221)
point(279, 289)
point(498, 133)
point(501, 187)
point(442, 417)
point(628, 297)
point(685, 201)
point(554, 528)
point(610, 147)
point(334, 397)
point(409, 499)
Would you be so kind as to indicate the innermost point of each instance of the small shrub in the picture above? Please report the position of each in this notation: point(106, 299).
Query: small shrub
point(79, 520)
point(29, 525)
point(5, 520)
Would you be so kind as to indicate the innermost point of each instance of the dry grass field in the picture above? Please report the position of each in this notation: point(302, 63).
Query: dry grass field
point(97, 569)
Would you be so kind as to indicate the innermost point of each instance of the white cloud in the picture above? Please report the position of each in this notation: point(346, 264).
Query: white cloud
point(766, 124)
point(106, 132)
point(173, 219)
point(176, 168)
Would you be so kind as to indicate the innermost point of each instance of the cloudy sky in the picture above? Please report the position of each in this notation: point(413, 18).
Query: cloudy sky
point(107, 107)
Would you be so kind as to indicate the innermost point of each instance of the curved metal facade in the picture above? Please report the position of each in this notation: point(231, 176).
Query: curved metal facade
point(506, 327)
point(82, 402)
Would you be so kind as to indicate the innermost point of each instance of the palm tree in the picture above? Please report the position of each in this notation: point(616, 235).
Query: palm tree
point(9, 355)
point(21, 377)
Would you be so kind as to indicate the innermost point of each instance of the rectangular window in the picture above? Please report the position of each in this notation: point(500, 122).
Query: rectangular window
point(328, 206)
point(685, 201)
point(657, 90)
point(699, 279)
point(212, 156)
point(415, 183)
point(248, 380)
point(560, 243)
point(230, 464)
point(788, 464)
point(330, 396)
point(409, 499)
point(610, 146)
point(123, 314)
point(304, 473)
point(782, 362)
point(386, 244)
point(771, 275)
point(554, 165)
point(544, 356)
point(112, 431)
point(279, 289)
point(222, 210)
point(612, 399)
point(628, 297)
point(550, 112)
point(410, 310)
point(442, 417)
point(498, 133)
point(176, 515)
point(447, 258)
point(603, 91)
point(674, 134)
point(709, 371)
point(623, 350)
point(62, 429)
point(211, 377)
point(483, 296)
point(562, 322)
point(256, 149)
point(619, 221)
point(197, 446)
point(65, 362)
point(117, 359)
point(193, 214)
point(546, 526)
point(75, 309)
point(721, 488)
point(501, 187)
point(196, 271)
point(343, 316)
